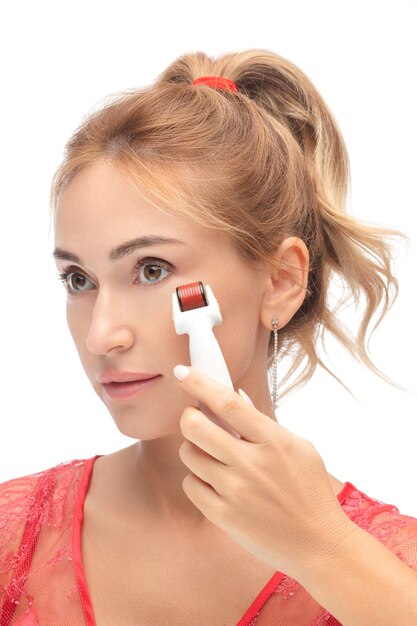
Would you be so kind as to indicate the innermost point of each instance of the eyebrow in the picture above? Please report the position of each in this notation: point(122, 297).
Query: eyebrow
point(125, 248)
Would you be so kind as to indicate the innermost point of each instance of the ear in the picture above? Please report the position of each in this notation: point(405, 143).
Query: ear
point(287, 284)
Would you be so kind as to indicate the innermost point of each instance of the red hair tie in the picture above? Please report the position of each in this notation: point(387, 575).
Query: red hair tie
point(219, 82)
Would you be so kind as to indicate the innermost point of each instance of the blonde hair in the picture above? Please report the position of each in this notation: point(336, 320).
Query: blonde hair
point(261, 164)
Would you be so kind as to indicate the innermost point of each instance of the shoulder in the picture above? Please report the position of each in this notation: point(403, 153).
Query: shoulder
point(15, 488)
point(393, 528)
point(36, 519)
point(37, 496)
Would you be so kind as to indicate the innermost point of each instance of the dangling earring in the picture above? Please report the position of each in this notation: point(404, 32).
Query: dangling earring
point(275, 366)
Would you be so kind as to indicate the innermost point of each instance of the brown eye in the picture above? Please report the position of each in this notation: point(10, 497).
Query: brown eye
point(76, 281)
point(73, 281)
point(151, 271)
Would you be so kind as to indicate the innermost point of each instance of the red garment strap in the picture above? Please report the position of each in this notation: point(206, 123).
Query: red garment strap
point(219, 82)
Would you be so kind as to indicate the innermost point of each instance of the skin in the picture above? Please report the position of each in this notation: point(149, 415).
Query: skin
point(121, 319)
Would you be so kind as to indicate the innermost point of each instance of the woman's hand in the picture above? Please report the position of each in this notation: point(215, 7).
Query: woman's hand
point(268, 490)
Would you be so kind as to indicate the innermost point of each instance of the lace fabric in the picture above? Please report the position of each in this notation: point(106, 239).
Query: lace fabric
point(37, 581)
point(384, 521)
point(42, 582)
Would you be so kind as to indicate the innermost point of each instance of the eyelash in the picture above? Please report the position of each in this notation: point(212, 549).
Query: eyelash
point(140, 263)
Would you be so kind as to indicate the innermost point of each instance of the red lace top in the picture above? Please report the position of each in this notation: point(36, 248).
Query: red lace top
point(42, 580)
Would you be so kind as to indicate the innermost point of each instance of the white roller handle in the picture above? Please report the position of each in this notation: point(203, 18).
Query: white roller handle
point(206, 356)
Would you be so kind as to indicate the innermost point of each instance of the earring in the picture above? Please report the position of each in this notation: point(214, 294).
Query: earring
point(275, 365)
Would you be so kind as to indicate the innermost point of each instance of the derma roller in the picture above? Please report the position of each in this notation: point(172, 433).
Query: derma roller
point(195, 311)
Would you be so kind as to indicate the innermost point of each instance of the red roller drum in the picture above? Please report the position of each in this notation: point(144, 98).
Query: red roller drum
point(191, 296)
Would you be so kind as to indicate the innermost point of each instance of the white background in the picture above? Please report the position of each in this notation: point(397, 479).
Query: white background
point(59, 60)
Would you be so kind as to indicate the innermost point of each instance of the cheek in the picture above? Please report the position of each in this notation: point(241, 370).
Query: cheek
point(87, 360)
point(237, 349)
point(77, 324)
point(237, 335)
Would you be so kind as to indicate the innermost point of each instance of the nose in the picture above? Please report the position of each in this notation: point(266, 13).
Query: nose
point(109, 328)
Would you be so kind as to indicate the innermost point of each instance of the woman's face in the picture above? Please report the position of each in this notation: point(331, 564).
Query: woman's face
point(119, 311)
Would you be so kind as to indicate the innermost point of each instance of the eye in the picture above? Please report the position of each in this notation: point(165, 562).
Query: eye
point(66, 277)
point(158, 264)
point(73, 288)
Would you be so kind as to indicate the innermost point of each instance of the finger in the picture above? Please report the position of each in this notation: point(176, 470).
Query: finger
point(212, 438)
point(253, 425)
point(203, 465)
point(204, 497)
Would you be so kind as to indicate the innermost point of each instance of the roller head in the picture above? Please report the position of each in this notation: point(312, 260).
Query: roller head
point(191, 296)
point(193, 304)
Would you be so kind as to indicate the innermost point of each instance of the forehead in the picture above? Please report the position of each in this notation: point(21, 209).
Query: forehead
point(102, 197)
point(101, 191)
point(102, 208)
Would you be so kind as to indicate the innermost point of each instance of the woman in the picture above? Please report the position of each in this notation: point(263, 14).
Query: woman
point(230, 171)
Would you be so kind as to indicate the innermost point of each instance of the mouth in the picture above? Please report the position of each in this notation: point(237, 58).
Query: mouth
point(128, 389)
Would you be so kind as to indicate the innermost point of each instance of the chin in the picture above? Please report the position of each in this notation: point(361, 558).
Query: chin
point(145, 429)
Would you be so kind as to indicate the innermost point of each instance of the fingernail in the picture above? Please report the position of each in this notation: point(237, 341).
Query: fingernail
point(181, 372)
point(245, 397)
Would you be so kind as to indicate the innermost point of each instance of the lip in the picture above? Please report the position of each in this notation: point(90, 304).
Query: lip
point(128, 389)
point(113, 376)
